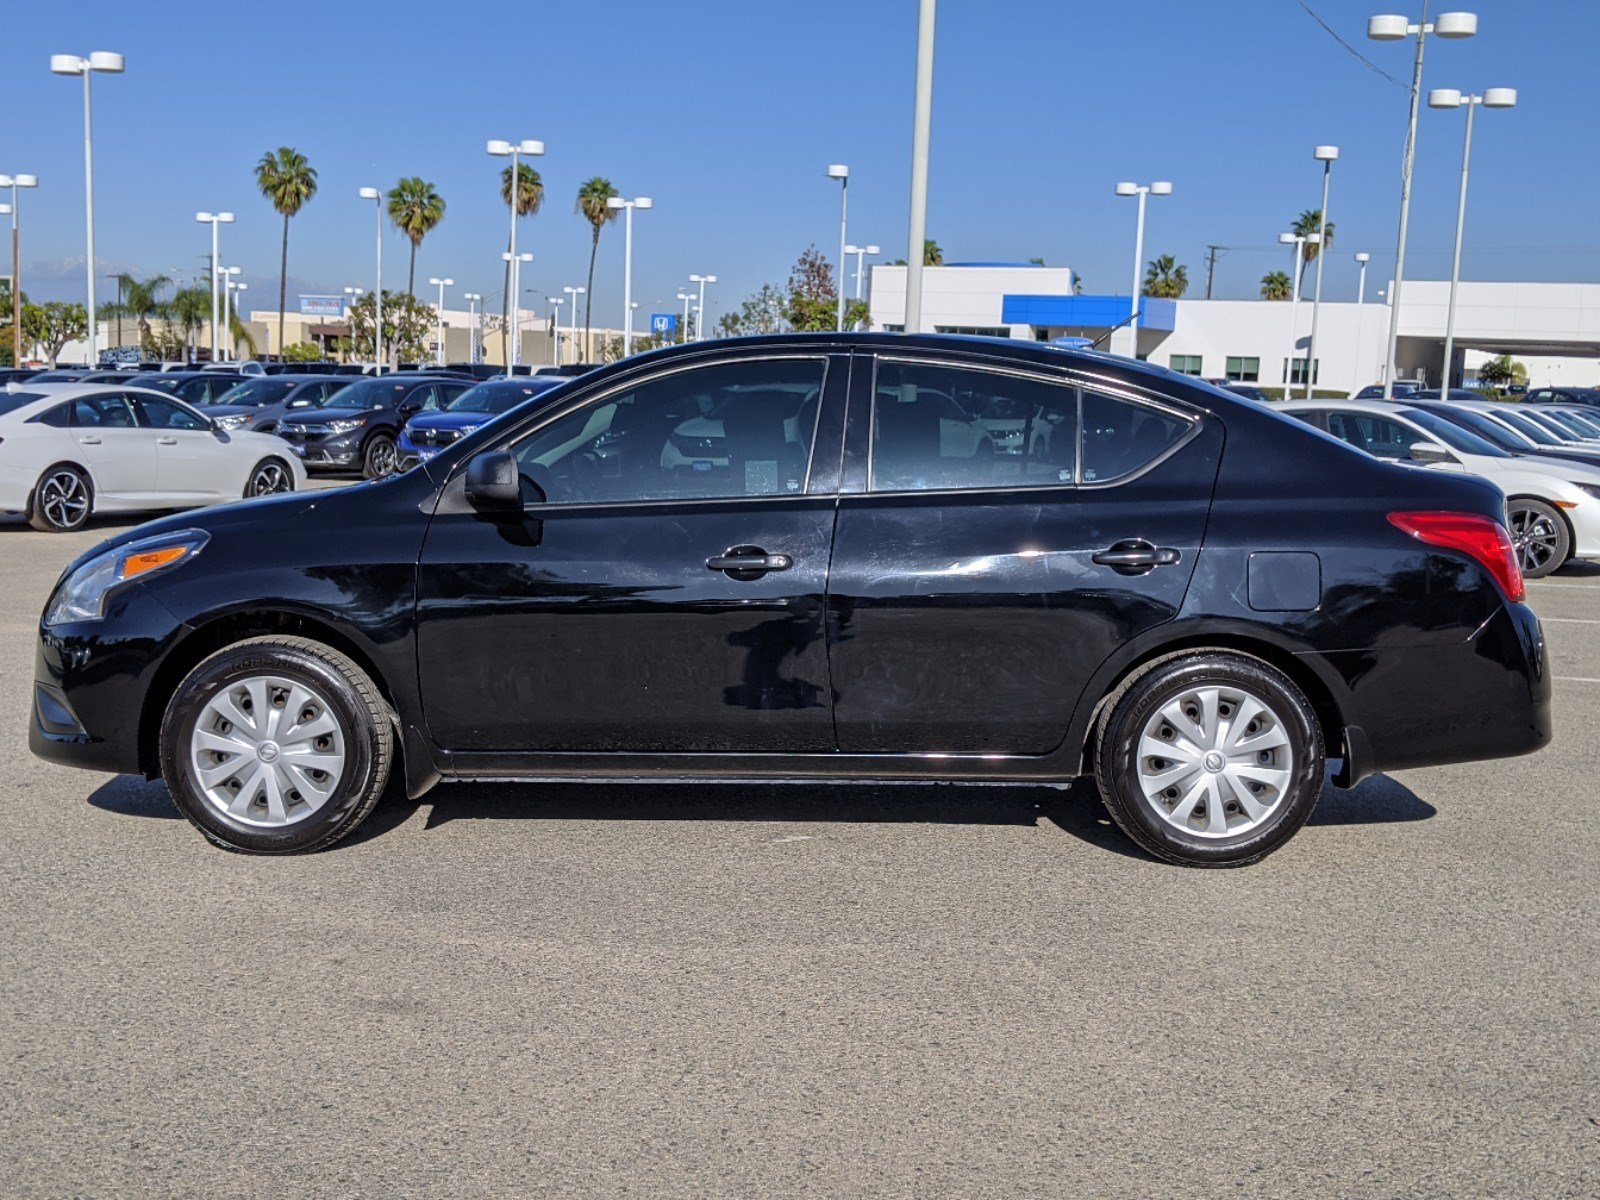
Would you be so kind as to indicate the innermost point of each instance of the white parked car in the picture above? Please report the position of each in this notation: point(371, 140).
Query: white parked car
point(1553, 506)
point(70, 450)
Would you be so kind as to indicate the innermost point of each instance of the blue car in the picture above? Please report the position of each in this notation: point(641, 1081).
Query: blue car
point(429, 432)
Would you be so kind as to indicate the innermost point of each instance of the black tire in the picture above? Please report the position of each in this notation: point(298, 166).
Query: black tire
point(1540, 534)
point(1123, 723)
point(263, 475)
point(353, 700)
point(62, 500)
point(378, 456)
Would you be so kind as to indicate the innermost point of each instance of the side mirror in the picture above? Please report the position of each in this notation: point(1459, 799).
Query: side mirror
point(1428, 452)
point(492, 482)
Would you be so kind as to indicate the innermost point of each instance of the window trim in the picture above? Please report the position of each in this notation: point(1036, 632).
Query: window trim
point(1195, 421)
point(632, 384)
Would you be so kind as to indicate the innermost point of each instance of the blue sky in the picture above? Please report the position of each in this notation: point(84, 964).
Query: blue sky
point(727, 113)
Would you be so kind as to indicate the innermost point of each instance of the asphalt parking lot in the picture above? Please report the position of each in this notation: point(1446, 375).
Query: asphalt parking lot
point(722, 990)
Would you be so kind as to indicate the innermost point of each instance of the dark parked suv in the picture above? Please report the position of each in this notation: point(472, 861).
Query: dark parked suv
point(261, 402)
point(808, 557)
point(361, 425)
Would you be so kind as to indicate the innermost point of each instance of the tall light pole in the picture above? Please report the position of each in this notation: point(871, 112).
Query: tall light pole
point(109, 63)
point(1160, 188)
point(14, 182)
point(441, 284)
point(352, 294)
point(516, 151)
point(514, 352)
point(921, 127)
point(700, 308)
point(573, 293)
point(627, 263)
point(216, 221)
point(1361, 299)
point(372, 193)
point(1299, 242)
point(555, 326)
point(1451, 98)
point(840, 172)
point(1327, 156)
point(687, 298)
point(228, 288)
point(472, 299)
point(860, 252)
point(1394, 29)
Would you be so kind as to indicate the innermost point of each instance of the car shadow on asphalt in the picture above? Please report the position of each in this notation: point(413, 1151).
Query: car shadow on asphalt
point(1075, 809)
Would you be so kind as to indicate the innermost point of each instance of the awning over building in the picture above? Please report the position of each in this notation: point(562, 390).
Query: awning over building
point(1086, 312)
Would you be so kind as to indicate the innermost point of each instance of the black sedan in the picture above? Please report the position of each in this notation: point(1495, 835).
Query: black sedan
point(801, 558)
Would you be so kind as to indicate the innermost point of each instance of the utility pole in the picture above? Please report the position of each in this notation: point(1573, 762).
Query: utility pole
point(1211, 265)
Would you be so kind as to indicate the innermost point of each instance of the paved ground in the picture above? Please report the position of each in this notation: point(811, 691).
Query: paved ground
point(732, 991)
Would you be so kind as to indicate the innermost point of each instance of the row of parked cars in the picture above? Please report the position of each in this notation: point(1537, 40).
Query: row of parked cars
point(76, 443)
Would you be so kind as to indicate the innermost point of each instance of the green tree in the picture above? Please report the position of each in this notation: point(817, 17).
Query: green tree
point(932, 255)
point(1165, 278)
point(288, 181)
point(302, 352)
point(415, 208)
point(189, 310)
point(1275, 286)
point(760, 313)
point(528, 200)
point(592, 196)
point(141, 302)
point(406, 326)
point(1304, 226)
point(51, 325)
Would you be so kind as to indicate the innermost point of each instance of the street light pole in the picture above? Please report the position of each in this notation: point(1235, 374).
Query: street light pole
point(472, 299)
point(921, 128)
point(1361, 298)
point(514, 329)
point(1159, 188)
point(572, 325)
point(1451, 98)
point(841, 172)
point(1392, 29)
point(441, 284)
point(555, 325)
point(110, 63)
point(530, 148)
point(627, 263)
point(573, 293)
point(1326, 155)
point(372, 193)
point(700, 308)
point(14, 182)
point(683, 334)
point(228, 287)
point(1299, 242)
point(216, 221)
point(860, 252)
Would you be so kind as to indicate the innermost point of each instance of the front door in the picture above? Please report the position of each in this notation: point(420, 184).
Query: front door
point(119, 452)
point(1000, 535)
point(192, 464)
point(664, 588)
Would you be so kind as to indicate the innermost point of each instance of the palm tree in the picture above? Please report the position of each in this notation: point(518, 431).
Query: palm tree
point(1165, 277)
point(415, 208)
point(529, 200)
point(1275, 286)
point(288, 181)
point(190, 309)
point(592, 197)
point(932, 255)
point(140, 301)
point(1306, 224)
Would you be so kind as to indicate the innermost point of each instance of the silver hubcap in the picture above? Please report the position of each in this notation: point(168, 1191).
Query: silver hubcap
point(270, 478)
point(63, 499)
point(381, 458)
point(267, 751)
point(1535, 538)
point(1214, 761)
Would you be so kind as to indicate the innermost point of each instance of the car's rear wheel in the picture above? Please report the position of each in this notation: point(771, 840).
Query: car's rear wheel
point(1540, 535)
point(271, 476)
point(276, 745)
point(380, 457)
point(62, 500)
point(1211, 759)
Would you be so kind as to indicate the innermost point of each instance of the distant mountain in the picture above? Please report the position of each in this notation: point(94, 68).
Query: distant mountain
point(62, 279)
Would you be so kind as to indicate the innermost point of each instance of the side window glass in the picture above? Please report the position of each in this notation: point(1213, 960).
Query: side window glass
point(725, 431)
point(1121, 437)
point(937, 426)
point(164, 414)
point(423, 400)
point(58, 417)
point(108, 410)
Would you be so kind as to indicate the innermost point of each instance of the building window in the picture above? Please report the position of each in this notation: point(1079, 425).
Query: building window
point(1185, 364)
point(1243, 370)
point(894, 328)
point(1001, 331)
point(1298, 375)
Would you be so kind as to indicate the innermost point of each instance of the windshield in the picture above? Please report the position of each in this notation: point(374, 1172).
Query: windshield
point(1454, 436)
point(1562, 426)
point(1583, 421)
point(1532, 429)
point(255, 393)
point(1487, 429)
point(367, 393)
point(495, 397)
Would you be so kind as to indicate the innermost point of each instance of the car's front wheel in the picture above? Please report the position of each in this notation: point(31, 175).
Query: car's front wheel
point(380, 457)
point(1210, 759)
point(276, 745)
point(271, 476)
point(1540, 535)
point(62, 500)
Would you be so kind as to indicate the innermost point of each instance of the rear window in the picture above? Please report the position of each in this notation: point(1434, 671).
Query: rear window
point(1454, 436)
point(498, 397)
point(11, 401)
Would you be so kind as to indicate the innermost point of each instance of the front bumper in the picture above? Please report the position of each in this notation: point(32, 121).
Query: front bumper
point(332, 450)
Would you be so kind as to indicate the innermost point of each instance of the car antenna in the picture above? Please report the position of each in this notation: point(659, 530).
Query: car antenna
point(1113, 329)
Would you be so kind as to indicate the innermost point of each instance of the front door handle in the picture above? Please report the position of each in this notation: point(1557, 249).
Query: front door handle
point(89, 440)
point(749, 562)
point(166, 441)
point(1135, 556)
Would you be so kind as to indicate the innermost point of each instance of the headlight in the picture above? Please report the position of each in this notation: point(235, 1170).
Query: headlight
point(82, 595)
point(345, 426)
point(1592, 488)
point(234, 421)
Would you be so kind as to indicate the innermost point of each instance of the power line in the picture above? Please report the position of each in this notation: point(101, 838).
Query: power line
point(1362, 58)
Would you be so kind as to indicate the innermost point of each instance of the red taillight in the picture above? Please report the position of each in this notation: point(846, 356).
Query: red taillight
point(1482, 538)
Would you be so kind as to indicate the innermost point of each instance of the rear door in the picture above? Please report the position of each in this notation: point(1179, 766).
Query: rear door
point(119, 452)
point(978, 584)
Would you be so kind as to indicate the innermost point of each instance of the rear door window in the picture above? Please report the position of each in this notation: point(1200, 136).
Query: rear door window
point(107, 410)
point(1122, 438)
point(164, 414)
point(1378, 436)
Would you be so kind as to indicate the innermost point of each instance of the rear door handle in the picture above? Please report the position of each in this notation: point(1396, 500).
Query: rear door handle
point(749, 562)
point(90, 440)
point(1135, 556)
point(166, 441)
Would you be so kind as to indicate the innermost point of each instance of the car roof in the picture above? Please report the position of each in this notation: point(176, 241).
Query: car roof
point(1387, 408)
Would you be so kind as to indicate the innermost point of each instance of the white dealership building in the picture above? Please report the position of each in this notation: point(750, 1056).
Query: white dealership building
point(1553, 329)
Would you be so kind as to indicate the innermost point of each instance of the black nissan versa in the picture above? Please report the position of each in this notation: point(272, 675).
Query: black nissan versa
point(809, 557)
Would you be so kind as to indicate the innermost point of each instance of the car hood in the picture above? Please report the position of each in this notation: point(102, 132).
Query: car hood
point(233, 410)
point(450, 420)
point(316, 416)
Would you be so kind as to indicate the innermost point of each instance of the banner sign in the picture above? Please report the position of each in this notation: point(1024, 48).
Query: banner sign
point(322, 306)
point(664, 324)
